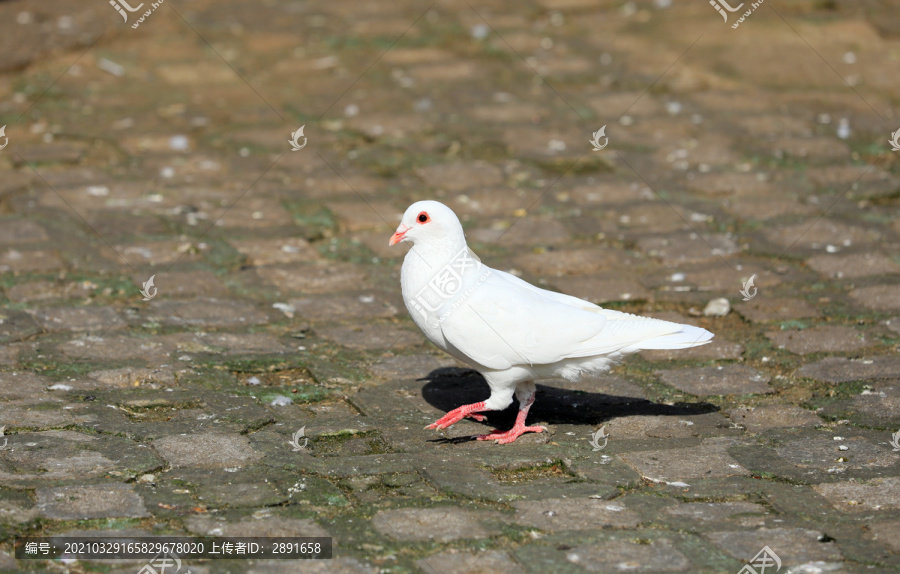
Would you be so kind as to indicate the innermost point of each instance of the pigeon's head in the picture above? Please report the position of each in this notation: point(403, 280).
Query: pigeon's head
point(428, 222)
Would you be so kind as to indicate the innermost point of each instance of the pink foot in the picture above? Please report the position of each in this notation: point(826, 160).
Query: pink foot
point(518, 429)
point(457, 415)
point(512, 434)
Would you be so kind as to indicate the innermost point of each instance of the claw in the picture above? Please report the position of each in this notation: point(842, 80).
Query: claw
point(457, 415)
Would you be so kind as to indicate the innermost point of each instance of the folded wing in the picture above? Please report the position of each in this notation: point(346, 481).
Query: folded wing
point(507, 322)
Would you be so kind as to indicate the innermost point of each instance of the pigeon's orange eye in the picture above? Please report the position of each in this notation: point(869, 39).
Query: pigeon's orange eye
point(423, 218)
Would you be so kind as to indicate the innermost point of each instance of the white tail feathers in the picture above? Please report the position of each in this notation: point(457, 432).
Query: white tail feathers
point(688, 336)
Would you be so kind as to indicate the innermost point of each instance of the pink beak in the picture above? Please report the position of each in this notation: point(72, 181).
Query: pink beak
point(397, 237)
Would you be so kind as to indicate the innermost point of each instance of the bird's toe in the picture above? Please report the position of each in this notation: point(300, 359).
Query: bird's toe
point(490, 436)
point(510, 435)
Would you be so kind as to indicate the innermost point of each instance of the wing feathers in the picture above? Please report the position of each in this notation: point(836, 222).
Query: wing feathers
point(507, 322)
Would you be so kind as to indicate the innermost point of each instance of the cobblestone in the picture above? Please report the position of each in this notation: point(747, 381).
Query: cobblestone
point(271, 382)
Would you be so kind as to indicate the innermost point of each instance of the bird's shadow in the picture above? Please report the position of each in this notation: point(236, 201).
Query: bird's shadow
point(449, 387)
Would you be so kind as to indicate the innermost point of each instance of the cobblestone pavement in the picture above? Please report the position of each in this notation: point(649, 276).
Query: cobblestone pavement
point(161, 152)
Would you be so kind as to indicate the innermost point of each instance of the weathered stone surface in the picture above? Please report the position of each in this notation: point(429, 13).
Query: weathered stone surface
point(23, 385)
point(206, 449)
point(95, 319)
point(821, 234)
point(639, 427)
point(483, 562)
point(573, 514)
point(459, 176)
point(33, 291)
point(115, 348)
point(840, 369)
point(746, 184)
point(42, 414)
point(132, 377)
point(269, 251)
point(887, 533)
point(893, 324)
point(150, 253)
point(686, 247)
point(569, 262)
point(351, 306)
point(263, 526)
point(29, 260)
point(182, 284)
point(819, 340)
point(340, 565)
point(602, 289)
point(21, 231)
point(355, 216)
point(203, 312)
point(17, 326)
point(878, 297)
point(767, 207)
point(722, 380)
point(761, 309)
point(240, 494)
point(879, 405)
point(611, 192)
point(372, 337)
point(111, 500)
point(659, 555)
point(521, 231)
point(409, 366)
point(793, 545)
point(438, 524)
point(852, 266)
point(709, 460)
point(711, 512)
point(310, 278)
point(756, 419)
point(824, 452)
point(56, 455)
point(231, 343)
point(877, 494)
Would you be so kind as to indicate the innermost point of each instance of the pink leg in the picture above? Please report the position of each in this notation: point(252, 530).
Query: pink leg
point(518, 429)
point(457, 415)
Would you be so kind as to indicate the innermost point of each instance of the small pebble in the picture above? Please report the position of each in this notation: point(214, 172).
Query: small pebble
point(281, 401)
point(179, 143)
point(717, 307)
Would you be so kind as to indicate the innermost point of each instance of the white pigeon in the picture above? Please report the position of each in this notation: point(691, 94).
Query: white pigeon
point(507, 329)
